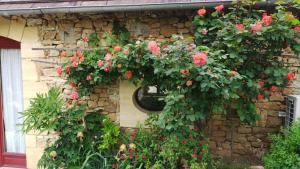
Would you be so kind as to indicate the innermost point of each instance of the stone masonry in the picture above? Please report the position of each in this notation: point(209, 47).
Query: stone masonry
point(228, 136)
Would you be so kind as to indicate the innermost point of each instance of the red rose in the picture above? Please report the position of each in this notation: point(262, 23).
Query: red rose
point(260, 97)
point(201, 12)
point(128, 74)
point(68, 69)
point(107, 69)
point(74, 95)
point(165, 46)
point(267, 19)
point(297, 28)
point(273, 88)
point(261, 83)
point(291, 76)
point(130, 153)
point(240, 27)
point(59, 70)
point(189, 83)
point(72, 84)
point(200, 58)
point(184, 71)
point(184, 142)
point(219, 8)
point(117, 49)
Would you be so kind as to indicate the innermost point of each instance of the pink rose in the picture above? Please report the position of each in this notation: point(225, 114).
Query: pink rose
point(73, 58)
point(153, 48)
point(100, 63)
point(201, 12)
point(59, 70)
point(240, 27)
point(74, 95)
point(267, 19)
point(85, 39)
point(107, 57)
point(256, 27)
point(200, 58)
point(219, 8)
point(89, 77)
point(184, 71)
point(204, 31)
point(126, 51)
point(74, 64)
point(189, 83)
point(80, 55)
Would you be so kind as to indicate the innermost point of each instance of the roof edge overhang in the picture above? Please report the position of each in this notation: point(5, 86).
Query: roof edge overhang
point(117, 8)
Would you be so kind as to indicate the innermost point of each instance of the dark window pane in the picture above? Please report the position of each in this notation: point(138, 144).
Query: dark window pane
point(148, 99)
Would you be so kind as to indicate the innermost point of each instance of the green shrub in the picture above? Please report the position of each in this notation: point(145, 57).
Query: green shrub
point(80, 134)
point(44, 112)
point(285, 149)
point(153, 149)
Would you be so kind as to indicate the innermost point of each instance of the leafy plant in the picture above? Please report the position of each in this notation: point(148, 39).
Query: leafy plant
point(285, 149)
point(148, 148)
point(79, 133)
point(43, 112)
point(110, 134)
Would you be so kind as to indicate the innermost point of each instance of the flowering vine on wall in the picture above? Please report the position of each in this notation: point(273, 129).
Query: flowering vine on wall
point(232, 63)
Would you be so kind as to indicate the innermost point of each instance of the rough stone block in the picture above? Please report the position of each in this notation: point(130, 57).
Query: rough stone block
point(244, 130)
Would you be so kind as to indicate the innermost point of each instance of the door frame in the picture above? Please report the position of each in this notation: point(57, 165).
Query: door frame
point(8, 159)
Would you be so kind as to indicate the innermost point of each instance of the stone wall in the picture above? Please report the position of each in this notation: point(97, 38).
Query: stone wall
point(67, 31)
point(228, 136)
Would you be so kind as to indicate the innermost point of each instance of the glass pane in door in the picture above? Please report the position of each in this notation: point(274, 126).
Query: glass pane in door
point(12, 99)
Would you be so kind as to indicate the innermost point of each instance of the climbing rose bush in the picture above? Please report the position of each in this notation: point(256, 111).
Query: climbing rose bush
point(232, 63)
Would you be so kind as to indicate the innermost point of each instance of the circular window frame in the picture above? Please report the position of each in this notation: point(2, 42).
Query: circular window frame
point(136, 104)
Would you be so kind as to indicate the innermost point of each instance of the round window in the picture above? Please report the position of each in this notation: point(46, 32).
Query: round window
point(148, 99)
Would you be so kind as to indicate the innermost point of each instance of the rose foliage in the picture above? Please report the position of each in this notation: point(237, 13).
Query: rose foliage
point(232, 63)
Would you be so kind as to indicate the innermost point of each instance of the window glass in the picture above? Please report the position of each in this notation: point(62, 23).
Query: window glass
point(148, 99)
